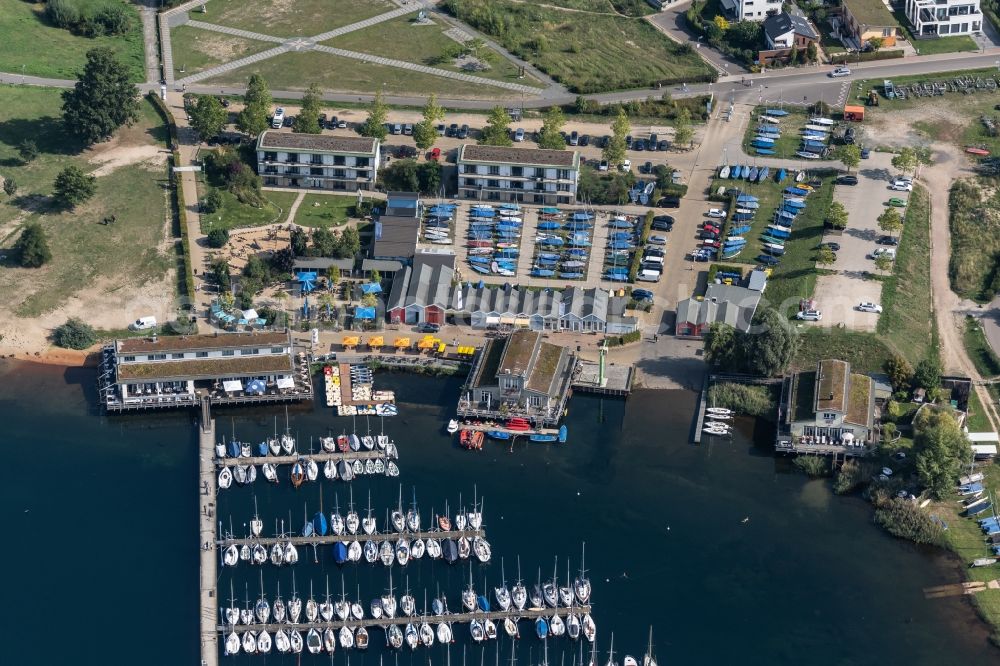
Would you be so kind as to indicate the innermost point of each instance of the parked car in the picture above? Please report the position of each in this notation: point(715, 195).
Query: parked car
point(628, 141)
point(708, 235)
point(341, 124)
point(653, 252)
point(463, 132)
point(574, 138)
point(279, 118)
point(849, 135)
point(669, 201)
point(657, 240)
point(584, 139)
point(901, 186)
point(452, 130)
point(716, 212)
point(888, 240)
point(840, 71)
point(603, 166)
point(427, 327)
point(408, 129)
point(646, 168)
point(224, 102)
point(642, 295)
point(809, 315)
point(332, 123)
point(652, 141)
point(289, 121)
point(847, 180)
point(441, 129)
point(870, 307)
point(519, 134)
point(883, 251)
point(626, 165)
point(865, 153)
point(831, 246)
point(897, 202)
point(604, 141)
point(397, 128)
point(322, 120)
point(666, 219)
point(663, 145)
point(639, 145)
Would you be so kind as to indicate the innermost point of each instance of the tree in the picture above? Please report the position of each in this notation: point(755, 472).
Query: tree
point(220, 273)
point(836, 215)
point(683, 133)
point(324, 243)
point(376, 277)
point(307, 121)
point(900, 372)
point(334, 272)
point(103, 99)
point(74, 187)
point(849, 155)
point(369, 300)
point(890, 221)
point(826, 256)
point(614, 152)
point(793, 57)
point(942, 450)
point(217, 237)
point(928, 373)
point(905, 160)
point(924, 157)
point(425, 133)
point(768, 347)
point(208, 117)
point(550, 136)
point(74, 334)
point(28, 150)
point(883, 262)
point(253, 119)
point(374, 125)
point(9, 186)
point(32, 247)
point(349, 243)
point(212, 201)
point(283, 261)
point(299, 242)
point(720, 345)
point(812, 52)
point(875, 43)
point(497, 130)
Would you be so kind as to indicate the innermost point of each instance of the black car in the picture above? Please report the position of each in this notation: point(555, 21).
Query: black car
point(661, 226)
point(604, 141)
point(668, 219)
point(831, 246)
point(452, 130)
point(653, 252)
point(463, 132)
point(639, 145)
point(663, 145)
point(406, 151)
point(646, 168)
point(332, 124)
point(701, 258)
point(671, 201)
point(289, 121)
point(849, 135)
point(652, 141)
point(708, 235)
point(888, 240)
point(628, 141)
point(428, 328)
point(584, 139)
point(642, 295)
point(322, 120)
point(847, 180)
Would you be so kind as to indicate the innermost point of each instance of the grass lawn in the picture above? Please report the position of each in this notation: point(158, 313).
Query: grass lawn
point(967, 540)
point(795, 277)
point(29, 42)
point(954, 44)
point(401, 39)
point(296, 71)
point(979, 350)
point(977, 420)
point(791, 137)
point(323, 210)
point(84, 251)
point(281, 18)
point(975, 237)
point(586, 52)
point(864, 351)
point(907, 319)
point(196, 50)
point(626, 7)
point(233, 214)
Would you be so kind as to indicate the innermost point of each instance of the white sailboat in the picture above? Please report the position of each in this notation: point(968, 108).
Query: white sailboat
point(225, 478)
point(648, 659)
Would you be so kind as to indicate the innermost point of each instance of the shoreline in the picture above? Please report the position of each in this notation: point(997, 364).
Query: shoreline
point(69, 358)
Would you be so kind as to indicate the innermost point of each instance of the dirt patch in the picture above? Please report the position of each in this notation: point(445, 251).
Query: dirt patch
point(119, 156)
point(913, 127)
point(272, 10)
point(222, 48)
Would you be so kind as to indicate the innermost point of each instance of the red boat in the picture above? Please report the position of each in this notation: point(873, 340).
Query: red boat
point(343, 443)
point(982, 152)
point(518, 424)
point(472, 440)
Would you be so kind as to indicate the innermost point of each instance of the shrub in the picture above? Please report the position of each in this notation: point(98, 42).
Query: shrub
point(745, 399)
point(28, 150)
point(218, 237)
point(619, 340)
point(62, 13)
point(212, 202)
point(74, 334)
point(9, 186)
point(32, 248)
point(848, 477)
point(813, 465)
point(74, 187)
point(902, 518)
point(111, 18)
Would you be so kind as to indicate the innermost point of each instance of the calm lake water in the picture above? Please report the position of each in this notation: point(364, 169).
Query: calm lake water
point(102, 553)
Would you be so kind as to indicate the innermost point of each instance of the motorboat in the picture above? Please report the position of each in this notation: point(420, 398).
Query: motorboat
point(490, 628)
point(477, 631)
point(361, 638)
point(510, 626)
point(719, 410)
point(231, 556)
point(263, 642)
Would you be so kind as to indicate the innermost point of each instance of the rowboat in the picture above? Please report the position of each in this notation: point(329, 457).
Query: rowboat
point(778, 113)
point(723, 172)
point(807, 155)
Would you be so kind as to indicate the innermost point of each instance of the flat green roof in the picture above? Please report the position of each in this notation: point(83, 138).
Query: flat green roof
point(870, 13)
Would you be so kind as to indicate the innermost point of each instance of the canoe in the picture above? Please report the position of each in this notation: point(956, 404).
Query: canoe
point(764, 172)
point(768, 129)
point(744, 198)
point(753, 174)
point(777, 113)
point(770, 119)
point(826, 122)
point(765, 151)
point(762, 140)
point(982, 152)
point(548, 226)
point(797, 191)
point(724, 172)
point(735, 171)
point(542, 273)
point(780, 176)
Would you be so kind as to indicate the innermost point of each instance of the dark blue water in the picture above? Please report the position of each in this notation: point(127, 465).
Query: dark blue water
point(102, 553)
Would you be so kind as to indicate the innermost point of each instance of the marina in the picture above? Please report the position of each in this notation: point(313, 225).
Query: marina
point(348, 538)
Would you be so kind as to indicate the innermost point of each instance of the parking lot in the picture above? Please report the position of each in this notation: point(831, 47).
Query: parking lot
point(838, 295)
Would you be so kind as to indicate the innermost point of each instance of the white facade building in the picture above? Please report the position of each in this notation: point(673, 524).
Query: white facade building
point(944, 17)
point(318, 161)
point(493, 173)
point(750, 10)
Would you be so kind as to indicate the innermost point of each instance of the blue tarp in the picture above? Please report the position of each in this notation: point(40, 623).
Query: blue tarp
point(256, 387)
point(371, 288)
point(364, 313)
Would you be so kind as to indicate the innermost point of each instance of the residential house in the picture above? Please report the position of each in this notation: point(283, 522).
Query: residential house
point(317, 161)
point(529, 175)
point(783, 33)
point(827, 410)
point(861, 20)
point(521, 376)
point(724, 303)
point(397, 228)
point(179, 371)
point(750, 10)
point(934, 18)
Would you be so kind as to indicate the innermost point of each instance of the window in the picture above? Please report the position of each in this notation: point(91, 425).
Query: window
point(494, 170)
point(270, 181)
point(362, 162)
point(829, 416)
point(517, 171)
point(270, 157)
point(181, 355)
point(468, 168)
point(277, 350)
point(249, 352)
point(317, 159)
point(292, 170)
point(315, 171)
point(202, 354)
point(339, 160)
point(292, 157)
point(492, 183)
point(157, 357)
point(128, 359)
point(229, 352)
point(339, 173)
point(564, 174)
point(536, 401)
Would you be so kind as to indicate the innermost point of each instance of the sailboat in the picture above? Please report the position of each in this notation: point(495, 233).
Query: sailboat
point(566, 593)
point(312, 608)
point(589, 628)
point(298, 473)
point(314, 642)
point(550, 589)
point(581, 586)
point(352, 522)
point(270, 471)
point(294, 605)
point(648, 659)
point(519, 595)
point(368, 523)
point(611, 655)
point(225, 478)
point(389, 601)
point(256, 524)
point(501, 593)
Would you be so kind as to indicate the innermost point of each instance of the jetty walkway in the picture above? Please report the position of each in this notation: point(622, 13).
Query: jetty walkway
point(206, 527)
point(336, 456)
point(347, 538)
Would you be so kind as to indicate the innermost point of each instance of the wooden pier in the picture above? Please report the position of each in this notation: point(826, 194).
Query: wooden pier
point(347, 538)
point(335, 456)
point(496, 427)
point(702, 406)
point(208, 574)
point(461, 618)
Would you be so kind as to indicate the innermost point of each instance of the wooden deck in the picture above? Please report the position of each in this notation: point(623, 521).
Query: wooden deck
point(336, 456)
point(209, 561)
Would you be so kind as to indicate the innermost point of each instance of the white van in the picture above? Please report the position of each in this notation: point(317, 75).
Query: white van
point(648, 272)
point(143, 324)
point(650, 259)
point(279, 118)
point(648, 276)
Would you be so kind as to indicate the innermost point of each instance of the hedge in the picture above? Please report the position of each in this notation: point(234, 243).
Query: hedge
point(726, 268)
point(619, 340)
point(185, 278)
point(633, 271)
point(866, 56)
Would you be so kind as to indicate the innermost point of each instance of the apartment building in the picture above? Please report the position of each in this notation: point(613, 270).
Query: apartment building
point(493, 173)
point(317, 161)
point(750, 10)
point(933, 18)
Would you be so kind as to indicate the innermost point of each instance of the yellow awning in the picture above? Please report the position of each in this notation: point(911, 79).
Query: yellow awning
point(402, 343)
point(425, 343)
point(351, 341)
point(468, 351)
point(442, 347)
point(376, 341)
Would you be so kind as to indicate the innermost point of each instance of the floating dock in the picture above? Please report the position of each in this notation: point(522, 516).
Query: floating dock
point(702, 406)
point(208, 575)
point(514, 614)
point(347, 538)
point(497, 427)
point(336, 456)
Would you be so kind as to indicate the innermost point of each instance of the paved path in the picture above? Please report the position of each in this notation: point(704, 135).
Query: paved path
point(673, 23)
point(150, 42)
point(233, 64)
point(235, 32)
point(294, 208)
point(367, 23)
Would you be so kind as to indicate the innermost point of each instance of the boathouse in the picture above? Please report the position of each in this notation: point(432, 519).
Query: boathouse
point(518, 376)
point(827, 410)
point(419, 293)
point(179, 371)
